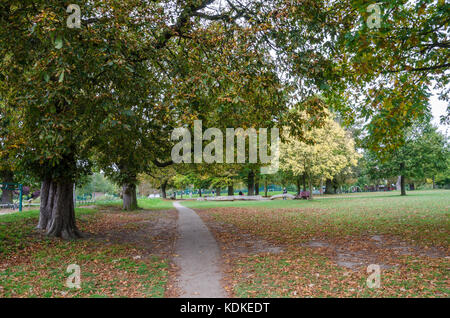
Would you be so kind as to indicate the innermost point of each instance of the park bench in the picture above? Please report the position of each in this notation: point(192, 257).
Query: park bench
point(284, 195)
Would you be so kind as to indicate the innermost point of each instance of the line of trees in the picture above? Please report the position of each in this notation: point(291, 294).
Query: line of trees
point(424, 155)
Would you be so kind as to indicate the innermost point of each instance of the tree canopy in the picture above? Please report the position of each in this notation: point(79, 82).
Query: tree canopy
point(329, 152)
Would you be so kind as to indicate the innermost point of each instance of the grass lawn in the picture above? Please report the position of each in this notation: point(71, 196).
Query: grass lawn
point(113, 262)
point(147, 204)
point(155, 204)
point(326, 244)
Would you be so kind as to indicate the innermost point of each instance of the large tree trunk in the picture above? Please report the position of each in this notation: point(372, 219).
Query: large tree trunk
point(57, 212)
point(163, 189)
point(304, 181)
point(200, 193)
point(129, 197)
point(251, 183)
point(230, 189)
point(298, 186)
point(47, 192)
point(310, 188)
point(265, 187)
point(7, 195)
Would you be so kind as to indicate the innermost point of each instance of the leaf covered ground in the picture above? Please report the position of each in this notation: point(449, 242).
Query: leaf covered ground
point(318, 248)
point(123, 255)
point(322, 248)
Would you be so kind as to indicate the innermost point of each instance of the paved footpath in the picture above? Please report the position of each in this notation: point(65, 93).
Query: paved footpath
point(198, 257)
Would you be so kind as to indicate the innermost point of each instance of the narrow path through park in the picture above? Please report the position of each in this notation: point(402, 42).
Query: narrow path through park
point(198, 257)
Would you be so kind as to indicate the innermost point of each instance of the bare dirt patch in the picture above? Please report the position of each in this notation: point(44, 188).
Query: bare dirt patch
point(376, 249)
point(235, 242)
point(154, 232)
point(121, 254)
point(400, 247)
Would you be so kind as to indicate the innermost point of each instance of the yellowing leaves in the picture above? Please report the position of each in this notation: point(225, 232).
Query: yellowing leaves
point(331, 152)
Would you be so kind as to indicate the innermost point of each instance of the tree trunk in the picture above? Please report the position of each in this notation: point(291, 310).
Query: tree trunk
point(7, 195)
point(230, 189)
point(310, 188)
point(402, 180)
point(163, 189)
point(217, 192)
point(402, 185)
point(257, 184)
point(57, 212)
point(251, 183)
point(298, 186)
point(304, 181)
point(200, 193)
point(74, 195)
point(46, 206)
point(328, 186)
point(265, 187)
point(129, 197)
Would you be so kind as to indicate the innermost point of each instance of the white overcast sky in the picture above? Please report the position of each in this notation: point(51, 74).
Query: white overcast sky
point(438, 108)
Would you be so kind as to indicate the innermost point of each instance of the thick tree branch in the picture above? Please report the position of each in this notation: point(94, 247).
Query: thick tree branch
point(421, 69)
point(183, 19)
point(162, 164)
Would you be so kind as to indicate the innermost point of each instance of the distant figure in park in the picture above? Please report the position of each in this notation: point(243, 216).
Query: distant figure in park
point(213, 193)
point(240, 193)
point(284, 193)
